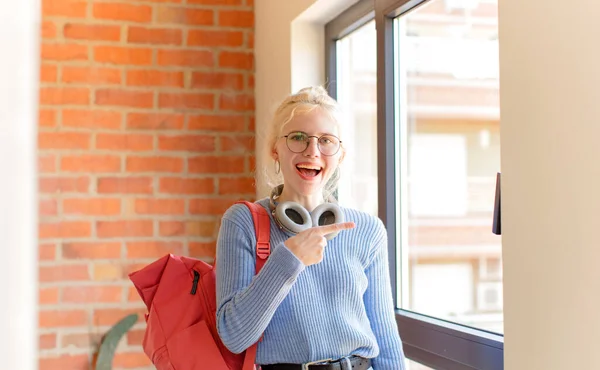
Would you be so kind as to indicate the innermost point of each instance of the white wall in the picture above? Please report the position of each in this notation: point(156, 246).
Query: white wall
point(550, 132)
point(19, 30)
point(289, 53)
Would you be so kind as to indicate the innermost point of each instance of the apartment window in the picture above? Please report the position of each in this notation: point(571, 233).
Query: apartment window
point(419, 80)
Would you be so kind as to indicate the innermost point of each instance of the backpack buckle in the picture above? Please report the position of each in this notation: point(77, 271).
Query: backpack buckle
point(263, 249)
point(305, 366)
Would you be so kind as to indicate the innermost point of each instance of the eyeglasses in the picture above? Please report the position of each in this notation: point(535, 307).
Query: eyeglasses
point(297, 142)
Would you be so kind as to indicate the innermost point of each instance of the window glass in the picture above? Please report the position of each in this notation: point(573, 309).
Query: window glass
point(356, 88)
point(448, 154)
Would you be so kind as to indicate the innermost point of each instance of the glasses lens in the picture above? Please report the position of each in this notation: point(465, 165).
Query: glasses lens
point(297, 141)
point(329, 145)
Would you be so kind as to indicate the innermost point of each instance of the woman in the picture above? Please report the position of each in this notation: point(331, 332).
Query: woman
point(324, 293)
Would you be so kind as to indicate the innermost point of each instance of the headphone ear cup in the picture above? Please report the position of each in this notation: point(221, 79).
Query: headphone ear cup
point(293, 217)
point(327, 214)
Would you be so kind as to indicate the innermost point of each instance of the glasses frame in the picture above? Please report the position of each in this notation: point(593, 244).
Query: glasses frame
point(308, 137)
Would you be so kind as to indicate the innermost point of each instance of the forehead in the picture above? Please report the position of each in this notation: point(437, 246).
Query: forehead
point(313, 122)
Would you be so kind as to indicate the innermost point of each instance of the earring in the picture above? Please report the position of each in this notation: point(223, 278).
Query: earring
point(277, 167)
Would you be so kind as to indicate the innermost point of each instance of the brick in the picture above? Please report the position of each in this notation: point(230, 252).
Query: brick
point(65, 361)
point(65, 95)
point(92, 206)
point(199, 250)
point(62, 184)
point(80, 340)
point(159, 36)
point(47, 118)
point(47, 341)
point(135, 337)
point(54, 318)
point(133, 295)
point(215, 2)
point(131, 228)
point(47, 252)
point(107, 272)
point(155, 206)
point(154, 164)
point(124, 142)
point(237, 102)
point(94, 32)
point(250, 82)
point(185, 16)
point(131, 360)
point(203, 229)
point(60, 273)
point(47, 163)
point(236, 18)
point(91, 119)
point(185, 58)
point(122, 55)
point(237, 143)
point(65, 229)
point(151, 249)
point(48, 72)
point(91, 250)
point(64, 140)
point(197, 228)
point(122, 12)
point(64, 51)
point(155, 121)
point(91, 75)
point(208, 38)
point(177, 185)
point(48, 295)
point(220, 123)
point(92, 294)
point(239, 185)
point(123, 98)
point(210, 206)
point(211, 164)
point(110, 316)
point(155, 78)
point(217, 80)
point(125, 185)
point(64, 8)
point(48, 207)
point(186, 100)
point(187, 143)
point(237, 59)
point(250, 40)
point(90, 163)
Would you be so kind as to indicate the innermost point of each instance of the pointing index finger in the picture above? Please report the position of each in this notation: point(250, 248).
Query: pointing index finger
point(327, 229)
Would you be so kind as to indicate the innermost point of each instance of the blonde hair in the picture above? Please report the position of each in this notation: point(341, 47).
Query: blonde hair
point(302, 102)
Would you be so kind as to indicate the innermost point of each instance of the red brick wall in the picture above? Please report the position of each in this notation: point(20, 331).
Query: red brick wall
point(146, 136)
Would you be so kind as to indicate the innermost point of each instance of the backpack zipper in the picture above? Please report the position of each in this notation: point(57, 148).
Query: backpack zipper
point(195, 283)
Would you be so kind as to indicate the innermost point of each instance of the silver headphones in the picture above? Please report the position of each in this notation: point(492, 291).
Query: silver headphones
point(294, 218)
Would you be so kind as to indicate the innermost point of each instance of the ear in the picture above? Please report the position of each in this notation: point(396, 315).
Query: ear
point(274, 154)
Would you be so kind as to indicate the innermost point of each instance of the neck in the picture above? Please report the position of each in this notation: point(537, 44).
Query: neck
point(309, 202)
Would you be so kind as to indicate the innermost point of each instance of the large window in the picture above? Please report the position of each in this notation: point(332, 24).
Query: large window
point(419, 80)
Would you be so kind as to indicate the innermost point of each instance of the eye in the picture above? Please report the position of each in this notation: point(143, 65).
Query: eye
point(297, 136)
point(328, 140)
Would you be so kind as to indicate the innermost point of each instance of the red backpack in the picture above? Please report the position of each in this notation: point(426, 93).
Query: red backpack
point(180, 295)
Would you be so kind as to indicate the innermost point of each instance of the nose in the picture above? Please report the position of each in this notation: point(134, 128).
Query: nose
point(312, 150)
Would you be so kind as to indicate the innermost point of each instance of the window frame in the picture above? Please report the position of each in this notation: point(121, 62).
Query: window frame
point(430, 341)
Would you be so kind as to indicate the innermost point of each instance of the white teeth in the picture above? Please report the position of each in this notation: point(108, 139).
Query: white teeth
point(309, 167)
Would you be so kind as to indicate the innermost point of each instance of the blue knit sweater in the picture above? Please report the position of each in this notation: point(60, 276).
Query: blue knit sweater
point(339, 307)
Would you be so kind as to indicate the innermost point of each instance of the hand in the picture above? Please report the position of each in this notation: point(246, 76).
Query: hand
point(308, 245)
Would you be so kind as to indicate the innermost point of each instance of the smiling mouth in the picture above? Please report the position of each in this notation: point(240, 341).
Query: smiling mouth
point(309, 171)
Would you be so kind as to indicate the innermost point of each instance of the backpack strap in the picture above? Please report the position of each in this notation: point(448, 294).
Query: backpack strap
point(262, 229)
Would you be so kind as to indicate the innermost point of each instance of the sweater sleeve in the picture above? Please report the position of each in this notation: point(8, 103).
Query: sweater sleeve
point(246, 302)
point(380, 306)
